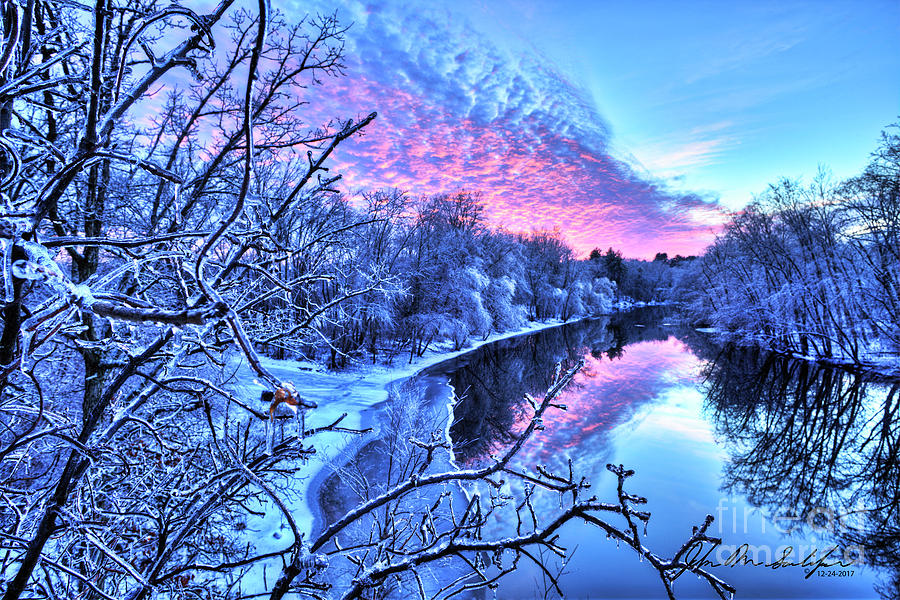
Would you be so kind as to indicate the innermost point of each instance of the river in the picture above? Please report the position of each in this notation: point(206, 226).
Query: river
point(783, 454)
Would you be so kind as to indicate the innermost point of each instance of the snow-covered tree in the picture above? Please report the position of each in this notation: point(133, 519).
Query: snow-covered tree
point(156, 238)
point(810, 269)
point(128, 244)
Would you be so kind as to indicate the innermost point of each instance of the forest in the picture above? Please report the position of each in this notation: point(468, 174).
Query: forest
point(811, 270)
point(169, 218)
point(171, 228)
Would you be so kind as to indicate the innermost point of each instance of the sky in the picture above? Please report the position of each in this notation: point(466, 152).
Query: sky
point(635, 125)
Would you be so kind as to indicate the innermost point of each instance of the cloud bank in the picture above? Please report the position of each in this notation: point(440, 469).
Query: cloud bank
point(457, 111)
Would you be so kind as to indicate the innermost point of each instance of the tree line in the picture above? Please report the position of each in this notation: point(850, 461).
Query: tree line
point(443, 276)
point(411, 272)
point(811, 270)
point(155, 233)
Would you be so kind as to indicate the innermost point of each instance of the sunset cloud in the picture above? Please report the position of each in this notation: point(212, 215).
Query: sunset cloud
point(457, 112)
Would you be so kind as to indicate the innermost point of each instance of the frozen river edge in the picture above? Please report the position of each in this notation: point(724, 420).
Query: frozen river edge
point(354, 392)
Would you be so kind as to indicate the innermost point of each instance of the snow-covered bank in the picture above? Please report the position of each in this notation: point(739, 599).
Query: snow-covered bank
point(873, 361)
point(354, 392)
point(626, 304)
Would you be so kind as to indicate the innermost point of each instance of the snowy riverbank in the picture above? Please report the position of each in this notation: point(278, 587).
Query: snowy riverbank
point(873, 360)
point(354, 392)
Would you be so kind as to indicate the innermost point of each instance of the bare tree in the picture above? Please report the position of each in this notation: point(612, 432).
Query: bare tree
point(141, 262)
point(125, 245)
point(811, 270)
point(430, 514)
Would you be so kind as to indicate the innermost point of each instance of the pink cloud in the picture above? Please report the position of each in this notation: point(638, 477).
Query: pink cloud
point(455, 114)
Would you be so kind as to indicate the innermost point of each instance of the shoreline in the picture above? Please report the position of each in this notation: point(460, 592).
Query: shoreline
point(887, 371)
point(355, 392)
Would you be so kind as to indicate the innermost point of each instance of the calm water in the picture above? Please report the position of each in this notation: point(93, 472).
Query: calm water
point(779, 452)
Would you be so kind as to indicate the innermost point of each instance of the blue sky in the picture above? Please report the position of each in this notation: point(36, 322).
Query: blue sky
point(724, 96)
point(636, 125)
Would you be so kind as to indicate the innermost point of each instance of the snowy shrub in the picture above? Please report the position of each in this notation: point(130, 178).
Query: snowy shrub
point(498, 300)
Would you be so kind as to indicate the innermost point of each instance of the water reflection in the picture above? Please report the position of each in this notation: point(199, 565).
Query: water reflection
point(801, 448)
point(490, 382)
point(815, 443)
point(749, 433)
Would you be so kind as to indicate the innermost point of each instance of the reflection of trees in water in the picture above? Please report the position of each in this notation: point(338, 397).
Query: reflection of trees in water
point(490, 382)
point(374, 464)
point(807, 440)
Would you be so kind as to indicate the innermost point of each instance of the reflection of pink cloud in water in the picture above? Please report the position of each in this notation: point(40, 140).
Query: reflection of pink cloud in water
point(606, 395)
